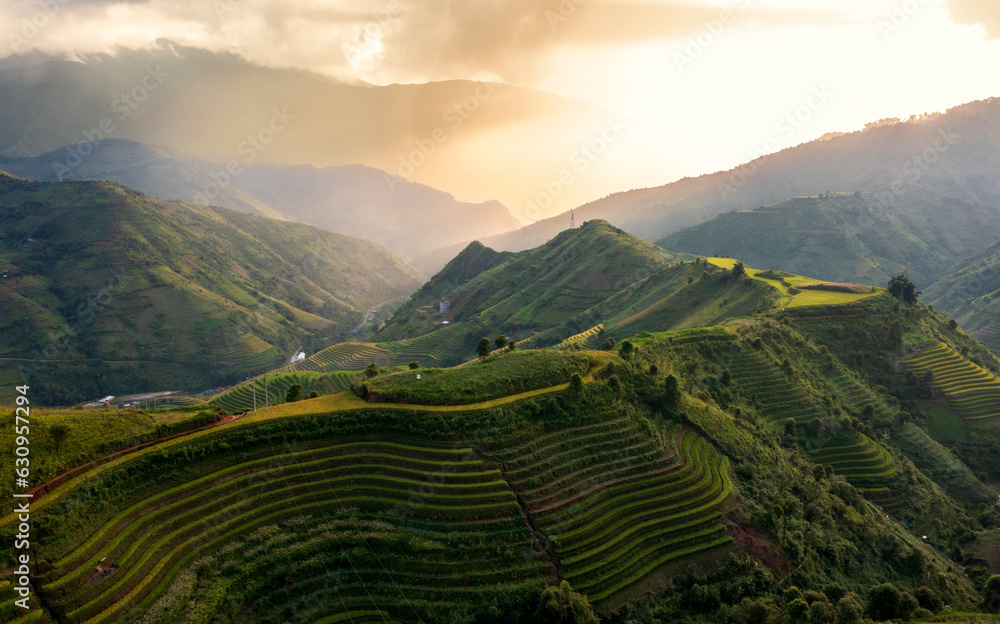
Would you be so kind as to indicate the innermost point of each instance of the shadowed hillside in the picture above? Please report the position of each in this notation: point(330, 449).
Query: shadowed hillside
point(107, 291)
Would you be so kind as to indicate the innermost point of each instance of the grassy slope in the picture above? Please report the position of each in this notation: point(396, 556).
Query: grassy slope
point(805, 297)
point(534, 290)
point(502, 374)
point(156, 293)
point(843, 238)
point(694, 355)
point(971, 294)
point(90, 435)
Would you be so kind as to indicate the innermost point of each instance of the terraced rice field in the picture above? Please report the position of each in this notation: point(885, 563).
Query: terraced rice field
point(973, 392)
point(241, 398)
point(858, 396)
point(178, 400)
point(866, 465)
point(584, 336)
point(777, 395)
point(616, 504)
point(349, 531)
point(342, 356)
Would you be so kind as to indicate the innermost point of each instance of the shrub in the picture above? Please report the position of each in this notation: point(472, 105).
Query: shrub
point(928, 599)
point(414, 365)
point(798, 610)
point(372, 370)
point(849, 609)
point(739, 270)
point(575, 384)
point(991, 594)
point(884, 602)
point(483, 348)
point(58, 431)
point(294, 393)
point(672, 390)
point(753, 611)
point(562, 605)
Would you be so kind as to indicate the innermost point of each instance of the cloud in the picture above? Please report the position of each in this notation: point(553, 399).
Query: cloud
point(509, 38)
point(381, 41)
point(983, 12)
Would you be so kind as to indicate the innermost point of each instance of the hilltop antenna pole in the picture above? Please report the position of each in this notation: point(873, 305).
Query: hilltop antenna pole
point(572, 219)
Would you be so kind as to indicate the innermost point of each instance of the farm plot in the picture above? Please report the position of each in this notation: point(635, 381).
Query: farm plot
point(275, 388)
point(336, 532)
point(778, 396)
point(815, 295)
point(973, 392)
point(616, 504)
point(584, 337)
point(866, 465)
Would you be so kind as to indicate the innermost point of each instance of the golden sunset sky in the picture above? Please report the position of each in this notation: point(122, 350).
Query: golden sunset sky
point(701, 86)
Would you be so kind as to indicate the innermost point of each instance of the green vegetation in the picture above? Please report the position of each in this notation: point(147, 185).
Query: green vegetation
point(115, 292)
point(864, 238)
point(903, 289)
point(970, 292)
point(798, 291)
point(64, 439)
point(973, 392)
point(275, 388)
point(653, 506)
point(344, 515)
point(500, 375)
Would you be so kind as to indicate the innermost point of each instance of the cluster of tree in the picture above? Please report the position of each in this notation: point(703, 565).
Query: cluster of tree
point(903, 289)
point(484, 348)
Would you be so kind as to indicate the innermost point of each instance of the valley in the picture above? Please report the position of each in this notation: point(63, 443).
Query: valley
point(503, 312)
point(613, 459)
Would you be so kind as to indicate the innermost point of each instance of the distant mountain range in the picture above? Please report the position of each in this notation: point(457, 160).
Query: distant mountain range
point(408, 218)
point(105, 290)
point(951, 157)
point(220, 107)
point(970, 292)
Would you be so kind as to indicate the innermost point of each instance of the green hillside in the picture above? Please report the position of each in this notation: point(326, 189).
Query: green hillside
point(750, 436)
point(970, 292)
point(634, 287)
point(408, 218)
point(848, 237)
point(585, 277)
point(775, 463)
point(107, 291)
